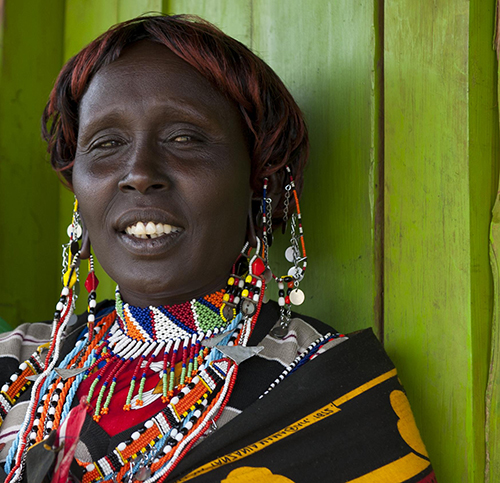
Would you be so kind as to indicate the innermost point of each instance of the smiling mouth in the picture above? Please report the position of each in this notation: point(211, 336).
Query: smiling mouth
point(150, 229)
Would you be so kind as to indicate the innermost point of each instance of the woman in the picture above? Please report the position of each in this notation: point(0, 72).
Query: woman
point(176, 140)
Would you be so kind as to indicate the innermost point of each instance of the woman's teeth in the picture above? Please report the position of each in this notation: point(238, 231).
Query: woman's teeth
point(150, 229)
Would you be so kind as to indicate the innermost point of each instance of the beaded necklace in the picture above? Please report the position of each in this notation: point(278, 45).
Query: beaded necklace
point(127, 336)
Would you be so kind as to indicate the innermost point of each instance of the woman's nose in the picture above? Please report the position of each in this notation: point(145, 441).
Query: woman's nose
point(144, 171)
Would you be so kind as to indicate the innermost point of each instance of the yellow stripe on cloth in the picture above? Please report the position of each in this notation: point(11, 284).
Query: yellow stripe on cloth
point(396, 472)
point(315, 417)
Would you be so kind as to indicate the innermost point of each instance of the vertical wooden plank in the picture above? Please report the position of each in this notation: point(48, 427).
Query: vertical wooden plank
point(441, 153)
point(484, 163)
point(30, 57)
point(325, 53)
point(493, 389)
point(233, 17)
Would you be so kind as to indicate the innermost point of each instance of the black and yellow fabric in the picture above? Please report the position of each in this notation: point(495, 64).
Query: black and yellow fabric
point(343, 417)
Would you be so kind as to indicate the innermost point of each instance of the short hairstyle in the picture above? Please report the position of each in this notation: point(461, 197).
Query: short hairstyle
point(276, 131)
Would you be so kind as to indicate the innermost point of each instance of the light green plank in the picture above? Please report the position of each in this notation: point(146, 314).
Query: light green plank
point(233, 17)
point(439, 155)
point(30, 57)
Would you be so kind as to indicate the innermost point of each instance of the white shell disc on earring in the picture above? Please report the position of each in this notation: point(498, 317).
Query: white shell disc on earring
point(69, 231)
point(248, 307)
point(297, 297)
point(289, 254)
point(296, 273)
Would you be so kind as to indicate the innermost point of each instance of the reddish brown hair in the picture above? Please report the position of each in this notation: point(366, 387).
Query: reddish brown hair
point(276, 130)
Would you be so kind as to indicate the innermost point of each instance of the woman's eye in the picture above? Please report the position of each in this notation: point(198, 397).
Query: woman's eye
point(183, 138)
point(112, 143)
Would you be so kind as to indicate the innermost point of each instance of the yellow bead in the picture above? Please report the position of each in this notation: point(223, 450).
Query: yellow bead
point(244, 293)
point(225, 297)
point(231, 281)
point(67, 281)
point(248, 279)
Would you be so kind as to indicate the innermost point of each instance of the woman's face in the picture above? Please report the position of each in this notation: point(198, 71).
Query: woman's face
point(158, 145)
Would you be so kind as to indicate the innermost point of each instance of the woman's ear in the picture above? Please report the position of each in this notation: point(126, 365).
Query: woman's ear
point(251, 236)
point(85, 248)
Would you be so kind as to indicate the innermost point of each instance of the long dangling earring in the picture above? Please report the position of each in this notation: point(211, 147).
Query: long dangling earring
point(64, 310)
point(289, 292)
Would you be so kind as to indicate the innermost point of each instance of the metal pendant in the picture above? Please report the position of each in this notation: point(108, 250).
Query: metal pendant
point(279, 332)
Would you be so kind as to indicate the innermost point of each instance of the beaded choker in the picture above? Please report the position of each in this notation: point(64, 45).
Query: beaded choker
point(164, 323)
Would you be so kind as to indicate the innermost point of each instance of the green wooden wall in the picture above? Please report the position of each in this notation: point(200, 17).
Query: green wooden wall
point(401, 101)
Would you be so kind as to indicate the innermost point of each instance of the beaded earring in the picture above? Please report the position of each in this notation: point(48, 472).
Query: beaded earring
point(62, 315)
point(289, 292)
point(245, 284)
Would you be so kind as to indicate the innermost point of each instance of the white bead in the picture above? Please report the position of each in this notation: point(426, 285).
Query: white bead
point(91, 318)
point(281, 285)
point(49, 425)
point(36, 422)
point(90, 467)
point(189, 425)
point(59, 306)
point(179, 436)
point(52, 410)
point(196, 380)
point(289, 254)
point(121, 447)
point(256, 297)
point(236, 300)
point(65, 291)
point(241, 283)
point(174, 400)
point(259, 283)
point(5, 388)
point(13, 377)
point(33, 436)
point(92, 303)
point(60, 385)
point(173, 433)
point(148, 424)
point(281, 301)
point(23, 366)
point(135, 435)
point(197, 413)
point(167, 448)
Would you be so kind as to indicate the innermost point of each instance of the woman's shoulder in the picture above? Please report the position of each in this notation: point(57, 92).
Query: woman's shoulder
point(20, 343)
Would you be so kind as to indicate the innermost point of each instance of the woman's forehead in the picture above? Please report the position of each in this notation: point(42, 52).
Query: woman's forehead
point(148, 74)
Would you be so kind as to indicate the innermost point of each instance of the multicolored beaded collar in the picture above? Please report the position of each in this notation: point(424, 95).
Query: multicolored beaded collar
point(167, 335)
point(164, 323)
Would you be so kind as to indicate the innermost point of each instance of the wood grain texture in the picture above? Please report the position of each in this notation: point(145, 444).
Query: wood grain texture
point(30, 57)
point(440, 155)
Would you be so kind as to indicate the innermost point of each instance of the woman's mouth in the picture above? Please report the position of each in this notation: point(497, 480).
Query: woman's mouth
point(150, 229)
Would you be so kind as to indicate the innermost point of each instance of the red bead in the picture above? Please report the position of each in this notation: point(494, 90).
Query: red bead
point(287, 300)
point(92, 282)
point(258, 267)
